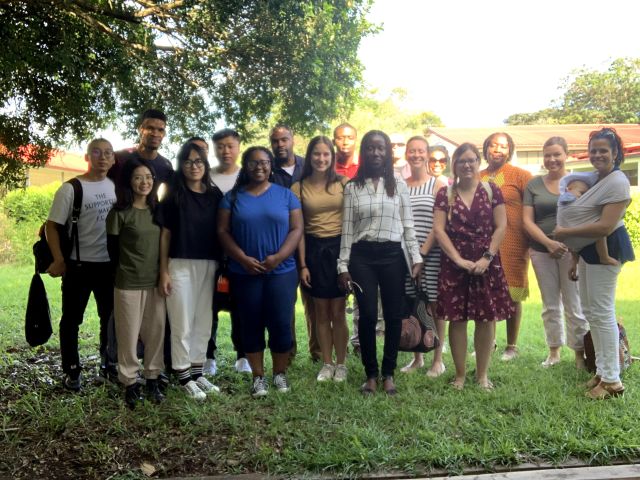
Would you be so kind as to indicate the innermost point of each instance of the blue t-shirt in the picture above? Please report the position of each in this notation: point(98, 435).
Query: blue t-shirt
point(260, 225)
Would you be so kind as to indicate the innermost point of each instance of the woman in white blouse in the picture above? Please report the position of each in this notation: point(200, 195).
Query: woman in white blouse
point(377, 226)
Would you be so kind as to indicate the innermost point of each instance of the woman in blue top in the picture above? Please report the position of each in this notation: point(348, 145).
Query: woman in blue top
point(608, 199)
point(260, 225)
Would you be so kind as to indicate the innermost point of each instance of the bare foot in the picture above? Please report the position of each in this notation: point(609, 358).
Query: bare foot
point(485, 384)
point(436, 370)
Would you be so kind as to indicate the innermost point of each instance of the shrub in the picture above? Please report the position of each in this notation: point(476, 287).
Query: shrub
point(632, 219)
point(31, 204)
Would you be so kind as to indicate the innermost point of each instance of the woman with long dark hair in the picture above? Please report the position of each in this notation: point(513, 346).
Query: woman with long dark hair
point(599, 212)
point(260, 226)
point(320, 191)
point(139, 308)
point(376, 222)
point(189, 256)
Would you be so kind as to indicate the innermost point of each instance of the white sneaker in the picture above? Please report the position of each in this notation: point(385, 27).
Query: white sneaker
point(193, 390)
point(206, 386)
point(260, 387)
point(281, 383)
point(326, 373)
point(242, 365)
point(340, 373)
point(210, 367)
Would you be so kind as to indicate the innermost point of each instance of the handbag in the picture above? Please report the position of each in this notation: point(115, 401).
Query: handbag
point(221, 288)
point(37, 323)
point(419, 332)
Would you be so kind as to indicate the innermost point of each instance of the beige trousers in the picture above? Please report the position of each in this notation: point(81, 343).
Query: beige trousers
point(139, 314)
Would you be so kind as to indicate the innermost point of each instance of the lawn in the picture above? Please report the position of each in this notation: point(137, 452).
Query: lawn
point(533, 415)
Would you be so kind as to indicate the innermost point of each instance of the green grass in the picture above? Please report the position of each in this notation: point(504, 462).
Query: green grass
point(534, 415)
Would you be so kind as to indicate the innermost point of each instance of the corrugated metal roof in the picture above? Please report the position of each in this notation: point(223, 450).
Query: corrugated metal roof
point(532, 137)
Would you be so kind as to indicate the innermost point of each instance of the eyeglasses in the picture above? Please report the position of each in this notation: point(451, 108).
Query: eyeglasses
point(194, 163)
point(465, 162)
point(252, 164)
point(97, 153)
point(437, 160)
point(140, 178)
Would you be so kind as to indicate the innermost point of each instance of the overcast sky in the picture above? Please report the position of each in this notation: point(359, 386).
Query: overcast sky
point(474, 63)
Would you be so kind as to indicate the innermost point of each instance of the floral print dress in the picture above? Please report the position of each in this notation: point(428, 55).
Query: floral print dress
point(462, 296)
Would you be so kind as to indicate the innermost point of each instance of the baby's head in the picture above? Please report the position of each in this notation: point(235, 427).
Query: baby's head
point(577, 187)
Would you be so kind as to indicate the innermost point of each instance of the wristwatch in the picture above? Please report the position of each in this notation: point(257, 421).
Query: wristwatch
point(488, 255)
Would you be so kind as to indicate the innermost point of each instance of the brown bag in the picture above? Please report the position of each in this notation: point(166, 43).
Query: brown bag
point(624, 351)
point(419, 332)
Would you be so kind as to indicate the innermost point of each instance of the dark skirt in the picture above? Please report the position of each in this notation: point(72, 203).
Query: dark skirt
point(321, 256)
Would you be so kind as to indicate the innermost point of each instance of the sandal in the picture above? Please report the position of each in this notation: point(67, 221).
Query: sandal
point(510, 353)
point(603, 391)
point(457, 385)
point(594, 382)
point(435, 372)
point(366, 390)
point(389, 391)
point(486, 386)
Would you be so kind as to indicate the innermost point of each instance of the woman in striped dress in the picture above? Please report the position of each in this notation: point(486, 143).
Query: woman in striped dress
point(422, 190)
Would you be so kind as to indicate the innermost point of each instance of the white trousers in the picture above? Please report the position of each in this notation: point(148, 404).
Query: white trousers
point(559, 294)
point(139, 313)
point(190, 310)
point(598, 298)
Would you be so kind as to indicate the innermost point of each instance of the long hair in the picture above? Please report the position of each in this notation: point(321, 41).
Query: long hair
point(489, 139)
point(307, 168)
point(387, 172)
point(179, 184)
point(453, 191)
point(615, 142)
point(243, 176)
point(124, 192)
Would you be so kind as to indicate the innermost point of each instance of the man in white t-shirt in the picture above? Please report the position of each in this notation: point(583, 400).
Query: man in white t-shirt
point(86, 270)
point(226, 143)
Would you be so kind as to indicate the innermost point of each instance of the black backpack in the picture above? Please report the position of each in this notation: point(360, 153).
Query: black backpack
point(41, 250)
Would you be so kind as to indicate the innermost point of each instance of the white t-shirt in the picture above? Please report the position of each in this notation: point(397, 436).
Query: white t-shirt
point(97, 199)
point(224, 181)
point(290, 169)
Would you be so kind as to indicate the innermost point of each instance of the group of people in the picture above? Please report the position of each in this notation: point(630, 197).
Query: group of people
point(383, 226)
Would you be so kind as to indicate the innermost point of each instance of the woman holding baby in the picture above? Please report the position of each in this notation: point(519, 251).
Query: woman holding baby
point(595, 214)
point(551, 259)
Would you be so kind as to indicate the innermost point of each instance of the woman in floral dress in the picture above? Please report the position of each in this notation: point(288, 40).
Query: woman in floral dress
point(469, 224)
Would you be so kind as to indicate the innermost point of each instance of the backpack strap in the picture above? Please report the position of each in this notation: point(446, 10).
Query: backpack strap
point(75, 215)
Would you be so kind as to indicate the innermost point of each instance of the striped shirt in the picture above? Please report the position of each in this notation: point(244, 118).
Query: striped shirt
point(422, 200)
point(371, 215)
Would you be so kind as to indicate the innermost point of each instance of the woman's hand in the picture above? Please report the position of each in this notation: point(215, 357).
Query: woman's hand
point(344, 282)
point(480, 267)
point(164, 284)
point(416, 271)
point(556, 249)
point(305, 277)
point(270, 262)
point(252, 265)
point(463, 264)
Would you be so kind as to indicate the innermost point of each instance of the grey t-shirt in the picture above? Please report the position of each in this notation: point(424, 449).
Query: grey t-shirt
point(545, 208)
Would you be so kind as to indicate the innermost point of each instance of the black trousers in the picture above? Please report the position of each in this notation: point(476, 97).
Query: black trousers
point(373, 265)
point(78, 282)
point(236, 334)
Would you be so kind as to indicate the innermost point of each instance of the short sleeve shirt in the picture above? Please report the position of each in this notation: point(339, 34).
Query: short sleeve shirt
point(260, 224)
point(545, 208)
point(97, 199)
point(322, 210)
point(138, 246)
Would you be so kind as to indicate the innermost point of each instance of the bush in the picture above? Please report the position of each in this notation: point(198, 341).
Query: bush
point(632, 219)
point(31, 204)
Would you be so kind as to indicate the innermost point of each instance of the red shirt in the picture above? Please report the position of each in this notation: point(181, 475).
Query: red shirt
point(349, 171)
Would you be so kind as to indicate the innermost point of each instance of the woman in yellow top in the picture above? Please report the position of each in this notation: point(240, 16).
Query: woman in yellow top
point(320, 191)
point(498, 150)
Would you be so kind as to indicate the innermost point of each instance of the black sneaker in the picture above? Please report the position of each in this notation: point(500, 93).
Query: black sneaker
point(73, 384)
point(133, 395)
point(106, 374)
point(163, 382)
point(153, 391)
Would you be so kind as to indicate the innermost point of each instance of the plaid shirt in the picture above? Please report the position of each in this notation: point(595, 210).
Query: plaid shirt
point(371, 215)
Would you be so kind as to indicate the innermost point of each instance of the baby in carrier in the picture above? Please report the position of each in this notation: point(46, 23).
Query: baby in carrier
point(576, 185)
